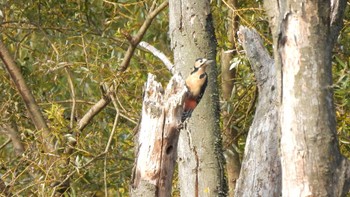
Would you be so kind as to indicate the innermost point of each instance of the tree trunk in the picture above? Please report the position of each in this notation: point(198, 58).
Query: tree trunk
point(158, 137)
point(201, 167)
point(230, 139)
point(261, 171)
point(304, 34)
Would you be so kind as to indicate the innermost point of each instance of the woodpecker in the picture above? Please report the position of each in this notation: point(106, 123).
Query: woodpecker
point(196, 84)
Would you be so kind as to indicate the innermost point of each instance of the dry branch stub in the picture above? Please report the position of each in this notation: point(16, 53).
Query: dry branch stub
point(158, 136)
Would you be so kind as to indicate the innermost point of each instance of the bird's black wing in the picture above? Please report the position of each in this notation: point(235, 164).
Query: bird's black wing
point(203, 87)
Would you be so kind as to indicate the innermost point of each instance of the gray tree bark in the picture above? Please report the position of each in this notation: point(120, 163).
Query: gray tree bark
point(304, 33)
point(200, 158)
point(261, 171)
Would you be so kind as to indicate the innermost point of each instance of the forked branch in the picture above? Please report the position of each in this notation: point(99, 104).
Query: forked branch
point(135, 40)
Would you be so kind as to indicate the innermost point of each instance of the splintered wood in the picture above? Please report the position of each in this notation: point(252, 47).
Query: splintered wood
point(158, 136)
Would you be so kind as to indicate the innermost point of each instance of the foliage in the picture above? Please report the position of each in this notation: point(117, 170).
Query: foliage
point(53, 41)
point(341, 80)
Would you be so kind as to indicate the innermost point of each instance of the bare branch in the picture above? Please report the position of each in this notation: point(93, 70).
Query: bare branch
point(159, 55)
point(93, 111)
point(5, 143)
point(110, 140)
point(72, 92)
point(134, 41)
point(13, 135)
point(129, 53)
point(27, 96)
point(138, 37)
point(114, 124)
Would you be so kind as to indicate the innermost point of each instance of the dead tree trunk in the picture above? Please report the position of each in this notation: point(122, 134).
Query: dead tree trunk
point(158, 137)
point(261, 169)
point(304, 33)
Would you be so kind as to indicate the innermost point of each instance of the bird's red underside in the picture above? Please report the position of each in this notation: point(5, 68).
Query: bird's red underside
point(190, 104)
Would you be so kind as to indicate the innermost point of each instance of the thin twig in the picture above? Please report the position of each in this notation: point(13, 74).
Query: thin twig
point(110, 140)
point(105, 175)
point(92, 103)
point(250, 25)
point(134, 41)
point(86, 55)
point(114, 124)
point(72, 92)
point(81, 167)
point(12, 133)
point(5, 144)
point(138, 37)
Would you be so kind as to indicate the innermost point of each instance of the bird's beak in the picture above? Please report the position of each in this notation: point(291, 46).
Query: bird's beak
point(208, 62)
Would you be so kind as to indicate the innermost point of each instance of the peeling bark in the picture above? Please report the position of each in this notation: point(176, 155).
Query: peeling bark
point(158, 137)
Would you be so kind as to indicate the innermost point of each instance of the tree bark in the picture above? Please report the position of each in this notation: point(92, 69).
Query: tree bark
point(158, 137)
point(261, 171)
point(304, 34)
point(201, 167)
point(230, 139)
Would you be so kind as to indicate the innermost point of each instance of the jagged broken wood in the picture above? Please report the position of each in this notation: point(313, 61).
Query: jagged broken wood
point(261, 166)
point(157, 137)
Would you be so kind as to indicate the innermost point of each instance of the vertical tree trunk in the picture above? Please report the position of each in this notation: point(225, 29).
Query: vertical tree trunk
point(261, 171)
point(304, 32)
point(200, 158)
point(230, 139)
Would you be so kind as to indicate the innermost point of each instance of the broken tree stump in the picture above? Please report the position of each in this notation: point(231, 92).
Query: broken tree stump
point(157, 137)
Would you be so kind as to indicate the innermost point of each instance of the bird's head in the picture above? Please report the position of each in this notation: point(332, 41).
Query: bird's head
point(202, 63)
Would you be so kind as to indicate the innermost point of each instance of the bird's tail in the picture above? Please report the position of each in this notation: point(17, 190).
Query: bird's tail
point(186, 115)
